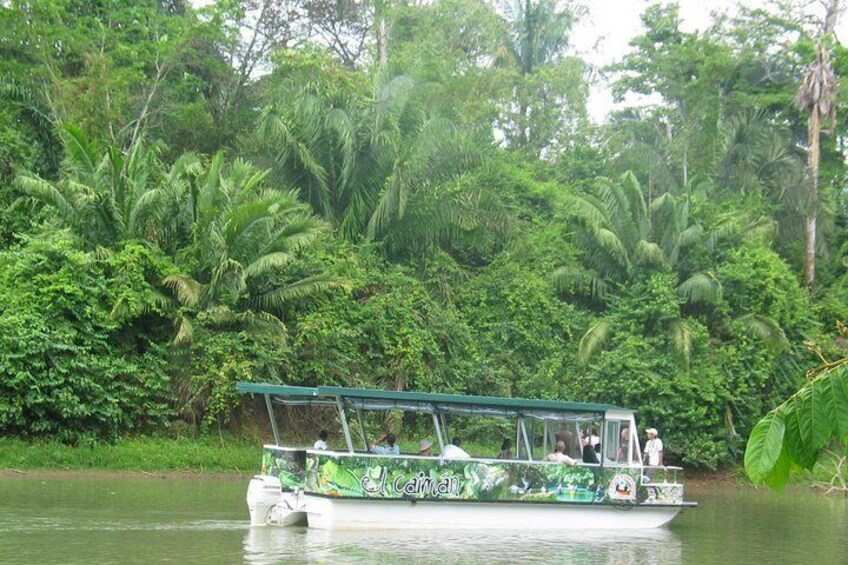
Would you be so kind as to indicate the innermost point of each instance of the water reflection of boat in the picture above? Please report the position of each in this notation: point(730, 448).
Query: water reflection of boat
point(353, 489)
point(276, 545)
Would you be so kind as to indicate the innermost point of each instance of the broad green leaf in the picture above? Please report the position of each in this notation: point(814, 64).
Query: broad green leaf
point(777, 478)
point(764, 446)
point(814, 402)
point(838, 397)
point(800, 451)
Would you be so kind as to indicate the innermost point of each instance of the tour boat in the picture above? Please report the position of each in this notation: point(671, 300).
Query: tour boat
point(351, 488)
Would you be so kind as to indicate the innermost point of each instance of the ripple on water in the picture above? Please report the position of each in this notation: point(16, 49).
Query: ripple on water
point(275, 545)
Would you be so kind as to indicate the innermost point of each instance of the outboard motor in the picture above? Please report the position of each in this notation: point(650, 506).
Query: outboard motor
point(263, 494)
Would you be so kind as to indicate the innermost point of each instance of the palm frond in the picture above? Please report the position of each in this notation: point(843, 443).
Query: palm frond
point(219, 316)
point(768, 330)
point(592, 342)
point(210, 191)
point(690, 236)
point(681, 338)
point(154, 301)
point(80, 152)
point(46, 193)
point(579, 281)
point(294, 235)
point(241, 220)
point(610, 242)
point(701, 287)
point(121, 310)
point(185, 331)
point(342, 125)
point(266, 263)
point(590, 210)
point(188, 290)
point(276, 299)
point(649, 253)
point(633, 204)
point(269, 323)
point(147, 208)
point(663, 202)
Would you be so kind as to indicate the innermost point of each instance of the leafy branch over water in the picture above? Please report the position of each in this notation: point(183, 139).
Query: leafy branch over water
point(795, 433)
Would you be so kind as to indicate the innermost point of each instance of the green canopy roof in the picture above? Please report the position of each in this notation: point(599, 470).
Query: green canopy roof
point(279, 390)
point(425, 401)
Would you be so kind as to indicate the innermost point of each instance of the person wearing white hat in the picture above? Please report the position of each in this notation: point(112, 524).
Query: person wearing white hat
point(424, 447)
point(653, 449)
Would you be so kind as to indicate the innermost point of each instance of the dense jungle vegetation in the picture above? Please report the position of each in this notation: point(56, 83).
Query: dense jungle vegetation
point(411, 195)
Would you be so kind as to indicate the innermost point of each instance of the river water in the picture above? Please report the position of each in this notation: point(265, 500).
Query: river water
point(58, 520)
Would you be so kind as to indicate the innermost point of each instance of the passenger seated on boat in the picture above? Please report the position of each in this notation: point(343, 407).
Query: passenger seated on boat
point(321, 442)
point(591, 437)
point(589, 454)
point(424, 448)
point(506, 449)
point(571, 443)
point(453, 451)
point(390, 448)
point(559, 456)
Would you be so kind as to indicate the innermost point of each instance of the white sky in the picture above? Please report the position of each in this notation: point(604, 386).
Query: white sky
point(603, 36)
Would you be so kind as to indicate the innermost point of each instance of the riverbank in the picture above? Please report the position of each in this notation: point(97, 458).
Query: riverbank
point(144, 457)
point(100, 474)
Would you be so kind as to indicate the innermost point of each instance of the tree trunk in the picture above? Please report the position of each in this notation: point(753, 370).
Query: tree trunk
point(821, 100)
point(382, 32)
point(813, 139)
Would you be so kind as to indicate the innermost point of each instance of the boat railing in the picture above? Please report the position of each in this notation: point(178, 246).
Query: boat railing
point(661, 474)
point(487, 460)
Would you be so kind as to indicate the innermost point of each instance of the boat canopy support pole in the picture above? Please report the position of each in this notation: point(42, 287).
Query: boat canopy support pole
point(603, 442)
point(518, 439)
point(632, 441)
point(362, 428)
point(438, 433)
point(526, 439)
point(444, 427)
point(273, 419)
point(345, 427)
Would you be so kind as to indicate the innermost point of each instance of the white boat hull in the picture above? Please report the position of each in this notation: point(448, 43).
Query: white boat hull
point(369, 514)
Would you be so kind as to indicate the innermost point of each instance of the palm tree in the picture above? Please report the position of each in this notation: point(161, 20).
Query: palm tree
point(242, 237)
point(755, 160)
point(104, 198)
point(420, 159)
point(817, 97)
point(539, 32)
point(620, 233)
point(622, 236)
point(320, 148)
point(384, 167)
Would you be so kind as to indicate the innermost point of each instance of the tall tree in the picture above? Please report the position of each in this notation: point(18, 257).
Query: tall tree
point(817, 97)
point(543, 88)
point(342, 27)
